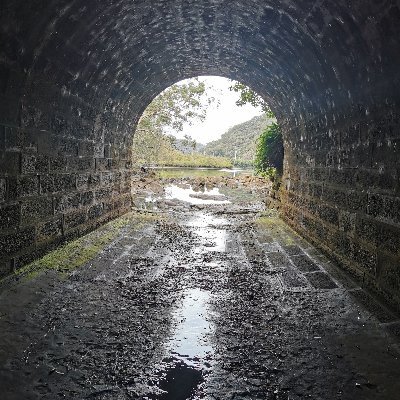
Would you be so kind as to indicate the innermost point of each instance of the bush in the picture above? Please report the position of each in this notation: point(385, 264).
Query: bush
point(269, 153)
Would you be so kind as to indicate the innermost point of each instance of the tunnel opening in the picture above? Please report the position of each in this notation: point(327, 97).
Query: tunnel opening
point(189, 118)
point(75, 85)
point(75, 77)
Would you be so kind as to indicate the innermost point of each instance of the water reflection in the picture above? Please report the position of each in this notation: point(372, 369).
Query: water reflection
point(212, 239)
point(190, 355)
point(176, 172)
point(187, 194)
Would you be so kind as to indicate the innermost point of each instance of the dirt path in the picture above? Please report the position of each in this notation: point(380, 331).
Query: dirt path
point(211, 298)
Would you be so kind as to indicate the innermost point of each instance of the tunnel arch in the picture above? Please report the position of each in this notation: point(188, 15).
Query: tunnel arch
point(76, 75)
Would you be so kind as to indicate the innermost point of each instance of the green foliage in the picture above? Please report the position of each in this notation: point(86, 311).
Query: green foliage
point(241, 139)
point(248, 96)
point(179, 104)
point(80, 251)
point(269, 155)
point(179, 159)
point(269, 152)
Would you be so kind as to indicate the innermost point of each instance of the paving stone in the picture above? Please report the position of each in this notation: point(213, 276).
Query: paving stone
point(304, 263)
point(373, 306)
point(321, 280)
point(292, 249)
point(292, 279)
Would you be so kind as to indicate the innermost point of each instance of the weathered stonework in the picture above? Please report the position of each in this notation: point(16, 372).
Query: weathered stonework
point(342, 192)
point(76, 76)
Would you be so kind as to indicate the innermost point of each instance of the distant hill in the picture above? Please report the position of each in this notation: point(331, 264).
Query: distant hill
point(188, 148)
point(240, 138)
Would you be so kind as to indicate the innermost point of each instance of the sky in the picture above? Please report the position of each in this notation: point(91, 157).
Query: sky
point(219, 118)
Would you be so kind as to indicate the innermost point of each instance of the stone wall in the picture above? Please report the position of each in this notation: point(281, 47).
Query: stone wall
point(341, 190)
point(48, 197)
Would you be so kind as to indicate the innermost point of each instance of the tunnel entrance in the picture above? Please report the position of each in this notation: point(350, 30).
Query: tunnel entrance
point(75, 77)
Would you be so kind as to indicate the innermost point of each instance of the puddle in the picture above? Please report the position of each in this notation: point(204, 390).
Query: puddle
point(190, 355)
point(173, 192)
point(212, 239)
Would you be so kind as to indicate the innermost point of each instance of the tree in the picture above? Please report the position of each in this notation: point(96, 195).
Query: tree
point(179, 104)
point(249, 96)
point(269, 152)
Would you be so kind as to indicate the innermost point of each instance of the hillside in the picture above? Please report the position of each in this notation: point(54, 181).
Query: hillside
point(240, 138)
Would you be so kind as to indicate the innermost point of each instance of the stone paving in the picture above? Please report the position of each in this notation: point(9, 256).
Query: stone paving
point(200, 301)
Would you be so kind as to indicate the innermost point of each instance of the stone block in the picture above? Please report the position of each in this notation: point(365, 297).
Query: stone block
point(387, 238)
point(95, 211)
point(27, 186)
point(335, 196)
point(64, 182)
point(389, 272)
point(17, 241)
point(87, 198)
point(391, 209)
point(366, 229)
point(58, 164)
point(304, 263)
point(49, 230)
point(375, 204)
point(82, 181)
point(81, 164)
point(103, 164)
point(46, 184)
point(107, 178)
point(37, 209)
point(347, 221)
point(357, 200)
point(108, 206)
point(320, 280)
point(104, 193)
point(366, 257)
point(86, 149)
point(3, 189)
point(328, 214)
point(10, 216)
point(34, 164)
point(74, 219)
point(64, 203)
point(10, 163)
point(340, 242)
point(94, 180)
point(67, 147)
point(5, 267)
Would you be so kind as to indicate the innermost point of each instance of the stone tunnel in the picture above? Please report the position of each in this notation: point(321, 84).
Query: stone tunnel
point(76, 75)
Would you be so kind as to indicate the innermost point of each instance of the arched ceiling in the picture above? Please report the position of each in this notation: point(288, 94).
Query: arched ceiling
point(114, 56)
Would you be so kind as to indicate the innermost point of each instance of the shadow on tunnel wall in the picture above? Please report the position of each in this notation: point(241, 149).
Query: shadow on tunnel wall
point(76, 75)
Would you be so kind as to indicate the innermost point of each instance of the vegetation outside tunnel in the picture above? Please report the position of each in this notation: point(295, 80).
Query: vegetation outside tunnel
point(245, 145)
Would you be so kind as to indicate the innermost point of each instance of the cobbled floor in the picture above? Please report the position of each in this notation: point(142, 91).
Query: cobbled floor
point(207, 300)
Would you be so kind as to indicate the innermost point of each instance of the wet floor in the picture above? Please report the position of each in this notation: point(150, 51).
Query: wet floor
point(215, 298)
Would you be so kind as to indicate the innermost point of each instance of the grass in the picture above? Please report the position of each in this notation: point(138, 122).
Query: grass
point(80, 251)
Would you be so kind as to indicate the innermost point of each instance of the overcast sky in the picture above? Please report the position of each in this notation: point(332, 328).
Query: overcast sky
point(219, 119)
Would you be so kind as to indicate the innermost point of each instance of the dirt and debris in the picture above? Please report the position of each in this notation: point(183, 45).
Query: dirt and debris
point(213, 297)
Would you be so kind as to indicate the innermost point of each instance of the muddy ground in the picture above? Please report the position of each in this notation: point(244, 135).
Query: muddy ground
point(200, 293)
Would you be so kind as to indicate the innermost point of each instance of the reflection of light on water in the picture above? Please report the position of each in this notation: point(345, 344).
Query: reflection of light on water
point(190, 354)
point(233, 172)
point(188, 342)
point(215, 236)
point(150, 199)
point(184, 194)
